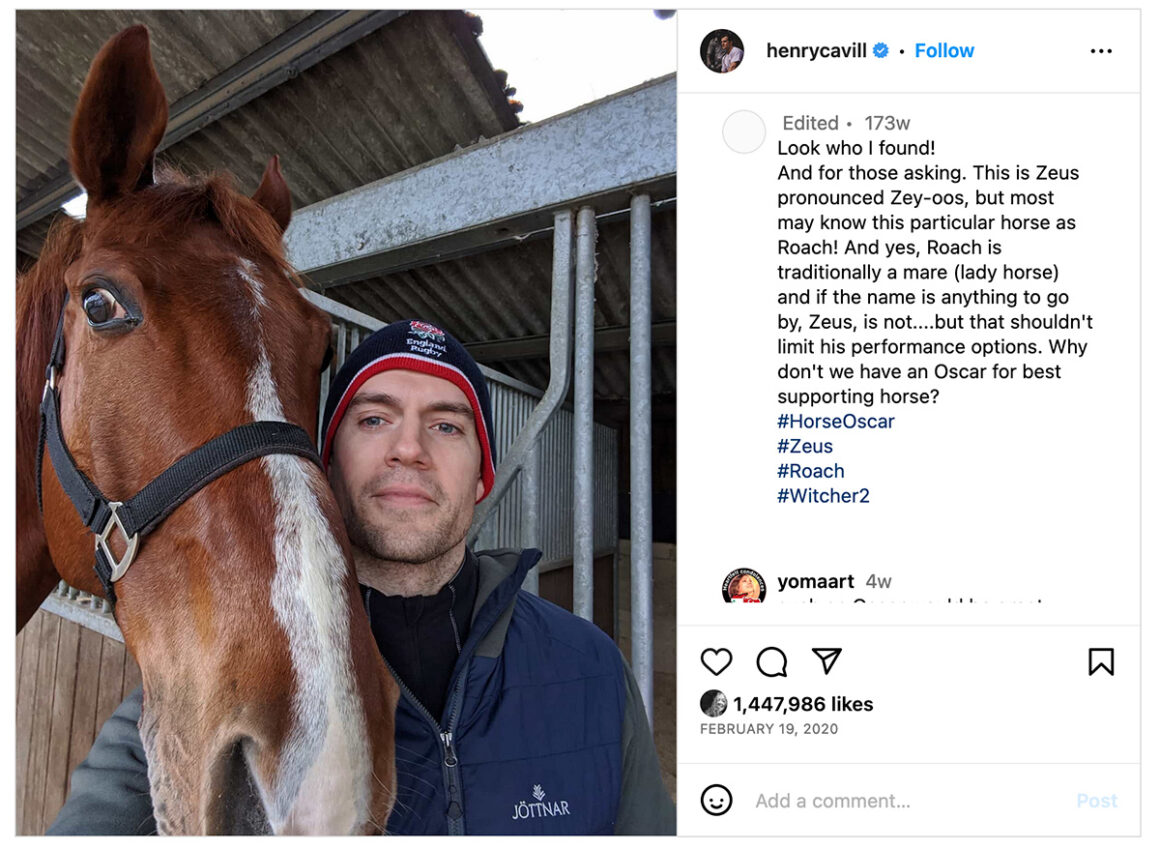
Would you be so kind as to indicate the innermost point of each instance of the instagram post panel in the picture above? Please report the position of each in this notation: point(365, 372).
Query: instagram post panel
point(351, 405)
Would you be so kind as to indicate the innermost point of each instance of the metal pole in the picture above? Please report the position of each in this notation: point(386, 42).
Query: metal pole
point(640, 446)
point(560, 356)
point(616, 629)
point(582, 412)
point(530, 520)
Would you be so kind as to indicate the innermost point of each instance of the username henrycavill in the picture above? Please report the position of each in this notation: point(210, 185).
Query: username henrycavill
point(862, 50)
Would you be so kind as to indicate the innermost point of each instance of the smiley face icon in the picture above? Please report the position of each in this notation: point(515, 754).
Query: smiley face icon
point(716, 800)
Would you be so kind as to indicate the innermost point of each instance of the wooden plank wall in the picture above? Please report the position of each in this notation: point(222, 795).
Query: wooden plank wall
point(69, 680)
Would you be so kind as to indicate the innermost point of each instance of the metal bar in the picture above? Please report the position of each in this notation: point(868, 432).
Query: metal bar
point(530, 513)
point(582, 415)
point(560, 356)
point(92, 614)
point(341, 312)
point(340, 339)
point(493, 191)
point(616, 629)
point(640, 446)
point(664, 333)
point(306, 43)
point(532, 227)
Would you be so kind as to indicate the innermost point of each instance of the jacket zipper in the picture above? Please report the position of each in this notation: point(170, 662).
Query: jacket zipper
point(454, 795)
point(453, 791)
point(454, 625)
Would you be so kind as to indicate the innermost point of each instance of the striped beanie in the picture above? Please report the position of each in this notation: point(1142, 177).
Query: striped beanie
point(414, 346)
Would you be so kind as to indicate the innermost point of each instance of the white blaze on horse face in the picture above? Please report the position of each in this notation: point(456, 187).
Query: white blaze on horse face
point(323, 783)
point(249, 273)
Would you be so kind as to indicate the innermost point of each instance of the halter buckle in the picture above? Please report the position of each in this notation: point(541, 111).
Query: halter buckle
point(49, 383)
point(122, 566)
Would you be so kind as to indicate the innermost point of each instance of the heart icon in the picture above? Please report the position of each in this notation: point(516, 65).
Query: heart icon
point(716, 660)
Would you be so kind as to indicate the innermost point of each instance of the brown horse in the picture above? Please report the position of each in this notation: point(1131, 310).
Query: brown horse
point(267, 705)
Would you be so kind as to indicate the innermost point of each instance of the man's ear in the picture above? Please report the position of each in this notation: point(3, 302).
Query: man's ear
point(478, 489)
point(333, 467)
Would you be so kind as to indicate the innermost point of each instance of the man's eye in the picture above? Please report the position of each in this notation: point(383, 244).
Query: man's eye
point(371, 421)
point(448, 428)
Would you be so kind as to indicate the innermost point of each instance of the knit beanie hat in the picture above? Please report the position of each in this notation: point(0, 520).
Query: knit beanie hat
point(413, 346)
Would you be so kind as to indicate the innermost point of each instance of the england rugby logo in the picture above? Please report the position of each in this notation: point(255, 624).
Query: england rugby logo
point(427, 331)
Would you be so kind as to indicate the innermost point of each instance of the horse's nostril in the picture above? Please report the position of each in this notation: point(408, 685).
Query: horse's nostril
point(239, 808)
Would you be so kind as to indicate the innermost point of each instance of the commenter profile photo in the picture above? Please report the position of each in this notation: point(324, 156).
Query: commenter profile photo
point(722, 51)
point(743, 585)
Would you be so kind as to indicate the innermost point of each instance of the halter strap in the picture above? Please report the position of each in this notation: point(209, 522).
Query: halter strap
point(142, 513)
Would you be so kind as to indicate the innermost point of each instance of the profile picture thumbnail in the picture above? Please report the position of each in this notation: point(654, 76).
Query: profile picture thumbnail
point(722, 51)
point(714, 703)
point(744, 586)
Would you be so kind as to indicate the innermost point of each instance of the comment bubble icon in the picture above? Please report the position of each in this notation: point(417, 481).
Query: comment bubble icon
point(771, 662)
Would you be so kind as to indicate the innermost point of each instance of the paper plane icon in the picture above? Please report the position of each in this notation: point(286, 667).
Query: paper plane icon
point(827, 657)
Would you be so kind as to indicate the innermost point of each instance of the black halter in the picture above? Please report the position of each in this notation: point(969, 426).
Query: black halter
point(143, 512)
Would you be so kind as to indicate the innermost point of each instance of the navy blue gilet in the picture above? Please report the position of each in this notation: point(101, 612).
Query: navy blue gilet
point(530, 737)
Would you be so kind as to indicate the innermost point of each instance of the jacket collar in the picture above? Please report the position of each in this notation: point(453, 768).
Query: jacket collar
point(501, 572)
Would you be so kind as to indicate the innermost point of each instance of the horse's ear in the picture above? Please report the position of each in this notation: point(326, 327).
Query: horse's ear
point(120, 119)
point(273, 195)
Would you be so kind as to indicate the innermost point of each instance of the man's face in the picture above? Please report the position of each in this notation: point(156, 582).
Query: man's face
point(726, 43)
point(405, 467)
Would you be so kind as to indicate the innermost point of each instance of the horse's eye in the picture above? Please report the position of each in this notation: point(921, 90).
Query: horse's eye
point(101, 307)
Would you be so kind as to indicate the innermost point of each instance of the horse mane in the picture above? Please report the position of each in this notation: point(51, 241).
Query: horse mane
point(40, 293)
point(175, 201)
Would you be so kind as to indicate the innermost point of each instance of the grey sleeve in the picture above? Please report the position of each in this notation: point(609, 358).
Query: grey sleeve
point(645, 805)
point(110, 789)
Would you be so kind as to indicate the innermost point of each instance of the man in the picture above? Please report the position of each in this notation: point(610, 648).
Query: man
point(730, 55)
point(515, 717)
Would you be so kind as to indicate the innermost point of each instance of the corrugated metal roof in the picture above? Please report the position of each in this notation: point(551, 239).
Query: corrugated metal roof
point(54, 50)
point(505, 294)
point(30, 239)
point(409, 92)
point(397, 98)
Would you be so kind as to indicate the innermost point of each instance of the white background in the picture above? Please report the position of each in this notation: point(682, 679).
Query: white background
point(1019, 496)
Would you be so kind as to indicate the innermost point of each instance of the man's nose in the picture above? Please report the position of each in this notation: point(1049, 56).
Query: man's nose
point(407, 446)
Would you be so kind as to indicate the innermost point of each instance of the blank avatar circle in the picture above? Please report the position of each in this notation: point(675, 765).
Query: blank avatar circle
point(714, 703)
point(744, 131)
point(716, 800)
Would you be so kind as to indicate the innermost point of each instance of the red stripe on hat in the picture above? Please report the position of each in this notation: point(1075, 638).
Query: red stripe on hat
point(409, 362)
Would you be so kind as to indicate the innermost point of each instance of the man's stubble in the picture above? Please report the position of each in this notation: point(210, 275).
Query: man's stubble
point(400, 554)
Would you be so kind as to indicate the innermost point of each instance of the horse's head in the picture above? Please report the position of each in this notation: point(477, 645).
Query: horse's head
point(267, 706)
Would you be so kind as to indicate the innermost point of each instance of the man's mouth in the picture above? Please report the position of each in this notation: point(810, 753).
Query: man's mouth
point(404, 495)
